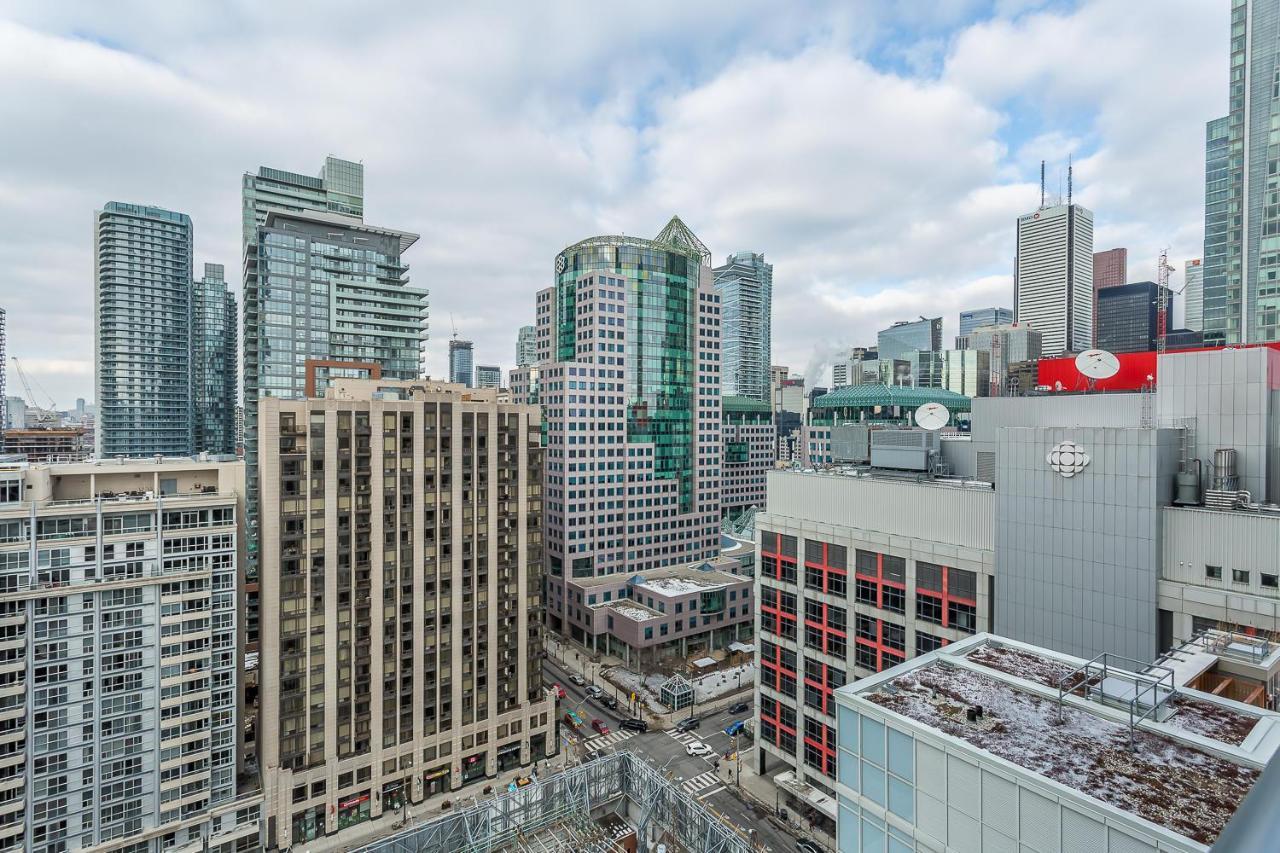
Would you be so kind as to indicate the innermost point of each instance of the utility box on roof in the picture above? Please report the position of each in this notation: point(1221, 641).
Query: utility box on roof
point(905, 449)
point(851, 443)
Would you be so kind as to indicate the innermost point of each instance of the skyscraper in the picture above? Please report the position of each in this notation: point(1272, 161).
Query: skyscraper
point(460, 362)
point(1053, 276)
point(1110, 268)
point(142, 331)
point(213, 363)
point(631, 409)
point(978, 317)
point(1221, 236)
point(1193, 295)
point(401, 647)
point(121, 654)
point(1129, 317)
point(526, 347)
point(745, 285)
point(488, 376)
point(905, 337)
point(1241, 301)
point(325, 295)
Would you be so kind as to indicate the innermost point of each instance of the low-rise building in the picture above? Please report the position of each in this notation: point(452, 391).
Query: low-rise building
point(676, 611)
point(48, 444)
point(991, 745)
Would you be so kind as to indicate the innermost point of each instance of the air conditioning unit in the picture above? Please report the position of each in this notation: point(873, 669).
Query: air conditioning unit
point(905, 449)
point(851, 443)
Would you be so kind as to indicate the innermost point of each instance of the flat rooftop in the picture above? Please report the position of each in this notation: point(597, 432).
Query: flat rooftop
point(706, 578)
point(1187, 773)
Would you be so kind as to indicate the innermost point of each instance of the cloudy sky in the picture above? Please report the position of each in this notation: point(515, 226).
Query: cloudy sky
point(877, 151)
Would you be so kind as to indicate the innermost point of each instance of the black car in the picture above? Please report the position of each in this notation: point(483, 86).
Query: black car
point(632, 724)
point(688, 724)
point(804, 845)
point(610, 703)
point(740, 708)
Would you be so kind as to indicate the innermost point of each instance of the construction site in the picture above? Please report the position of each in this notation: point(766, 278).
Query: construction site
point(612, 804)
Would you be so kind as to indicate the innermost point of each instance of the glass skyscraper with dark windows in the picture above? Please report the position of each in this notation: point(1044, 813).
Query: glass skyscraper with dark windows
point(1242, 223)
point(903, 338)
point(142, 331)
point(213, 362)
point(631, 409)
point(745, 285)
point(979, 317)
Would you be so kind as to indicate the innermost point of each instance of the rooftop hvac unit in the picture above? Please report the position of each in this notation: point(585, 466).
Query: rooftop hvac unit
point(906, 449)
point(851, 443)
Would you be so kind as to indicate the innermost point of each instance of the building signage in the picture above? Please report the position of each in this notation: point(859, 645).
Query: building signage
point(1067, 458)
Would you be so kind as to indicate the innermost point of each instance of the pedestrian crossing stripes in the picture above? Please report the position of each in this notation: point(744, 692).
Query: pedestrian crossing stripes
point(685, 738)
point(609, 739)
point(701, 782)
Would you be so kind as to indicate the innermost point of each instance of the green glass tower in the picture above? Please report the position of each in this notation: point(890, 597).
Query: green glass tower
point(631, 409)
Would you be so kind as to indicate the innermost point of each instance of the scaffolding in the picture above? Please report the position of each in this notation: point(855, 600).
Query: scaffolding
point(583, 809)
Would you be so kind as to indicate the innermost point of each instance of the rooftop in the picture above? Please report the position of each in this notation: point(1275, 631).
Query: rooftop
point(684, 580)
point(744, 404)
point(866, 396)
point(712, 573)
point(1053, 716)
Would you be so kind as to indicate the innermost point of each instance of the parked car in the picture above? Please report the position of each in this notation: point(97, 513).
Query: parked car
point(740, 708)
point(688, 724)
point(610, 703)
point(698, 748)
point(599, 725)
point(594, 692)
point(804, 845)
point(560, 694)
point(735, 728)
point(577, 679)
point(633, 724)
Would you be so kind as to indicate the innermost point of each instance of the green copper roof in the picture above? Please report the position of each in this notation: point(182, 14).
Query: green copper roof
point(866, 396)
point(743, 404)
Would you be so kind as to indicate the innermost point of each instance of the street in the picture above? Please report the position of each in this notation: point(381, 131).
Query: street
point(667, 751)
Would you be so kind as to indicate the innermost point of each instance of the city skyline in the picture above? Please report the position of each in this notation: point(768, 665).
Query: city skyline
point(921, 79)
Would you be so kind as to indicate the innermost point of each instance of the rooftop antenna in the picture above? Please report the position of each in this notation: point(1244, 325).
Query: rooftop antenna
point(1068, 180)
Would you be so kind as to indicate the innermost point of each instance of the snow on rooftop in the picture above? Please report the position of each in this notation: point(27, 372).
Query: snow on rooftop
point(678, 585)
point(1184, 789)
point(639, 614)
point(1216, 722)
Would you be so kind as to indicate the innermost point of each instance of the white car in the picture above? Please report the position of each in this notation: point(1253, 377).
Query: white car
point(698, 748)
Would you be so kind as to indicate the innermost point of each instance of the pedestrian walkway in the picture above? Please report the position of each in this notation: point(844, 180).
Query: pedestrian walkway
point(607, 740)
point(701, 782)
point(685, 738)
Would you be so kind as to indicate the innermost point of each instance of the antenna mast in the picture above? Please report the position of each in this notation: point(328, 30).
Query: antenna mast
point(1068, 180)
point(1042, 185)
point(1163, 295)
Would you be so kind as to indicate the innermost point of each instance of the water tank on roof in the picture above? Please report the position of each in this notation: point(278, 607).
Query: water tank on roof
point(904, 449)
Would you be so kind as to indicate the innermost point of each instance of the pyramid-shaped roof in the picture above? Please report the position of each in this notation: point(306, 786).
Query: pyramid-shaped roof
point(676, 233)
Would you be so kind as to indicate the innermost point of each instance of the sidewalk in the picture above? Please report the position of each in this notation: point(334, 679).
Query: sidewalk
point(428, 810)
point(574, 658)
point(761, 790)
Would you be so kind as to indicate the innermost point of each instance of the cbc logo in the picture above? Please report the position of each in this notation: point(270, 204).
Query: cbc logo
point(1067, 458)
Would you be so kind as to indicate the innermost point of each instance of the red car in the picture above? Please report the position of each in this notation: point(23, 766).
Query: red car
point(559, 692)
point(598, 725)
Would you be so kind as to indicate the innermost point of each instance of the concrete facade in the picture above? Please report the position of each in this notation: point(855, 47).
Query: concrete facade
point(400, 663)
point(749, 448)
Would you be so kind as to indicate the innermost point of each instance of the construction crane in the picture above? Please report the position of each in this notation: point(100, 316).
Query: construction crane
point(1164, 303)
point(26, 383)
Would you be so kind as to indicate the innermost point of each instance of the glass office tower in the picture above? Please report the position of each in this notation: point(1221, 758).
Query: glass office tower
point(142, 331)
point(213, 363)
point(745, 285)
point(1218, 245)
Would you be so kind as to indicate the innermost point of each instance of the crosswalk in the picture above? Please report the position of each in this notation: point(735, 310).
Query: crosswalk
point(608, 740)
point(702, 785)
point(685, 738)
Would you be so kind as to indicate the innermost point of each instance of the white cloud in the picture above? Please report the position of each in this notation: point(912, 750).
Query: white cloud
point(502, 134)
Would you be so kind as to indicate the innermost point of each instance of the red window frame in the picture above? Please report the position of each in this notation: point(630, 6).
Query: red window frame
point(945, 597)
point(828, 570)
point(826, 748)
point(826, 630)
point(878, 579)
point(885, 656)
point(769, 704)
point(775, 667)
point(771, 546)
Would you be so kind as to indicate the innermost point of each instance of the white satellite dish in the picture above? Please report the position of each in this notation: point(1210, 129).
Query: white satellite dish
point(1097, 364)
point(932, 416)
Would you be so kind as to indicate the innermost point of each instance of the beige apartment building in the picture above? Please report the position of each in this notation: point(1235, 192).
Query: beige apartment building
point(401, 599)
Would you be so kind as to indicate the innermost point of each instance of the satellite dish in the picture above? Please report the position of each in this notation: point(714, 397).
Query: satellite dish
point(1097, 364)
point(932, 416)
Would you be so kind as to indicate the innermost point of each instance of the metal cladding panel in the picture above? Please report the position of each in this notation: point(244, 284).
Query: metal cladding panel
point(961, 517)
point(1195, 538)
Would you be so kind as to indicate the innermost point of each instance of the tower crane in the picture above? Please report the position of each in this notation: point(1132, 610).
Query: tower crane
point(26, 383)
point(1164, 302)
